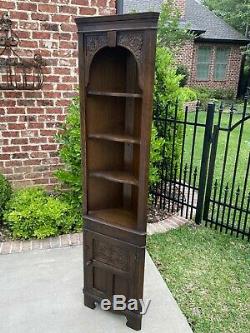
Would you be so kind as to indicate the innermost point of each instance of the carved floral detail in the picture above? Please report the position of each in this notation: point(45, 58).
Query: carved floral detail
point(111, 255)
point(133, 41)
point(95, 43)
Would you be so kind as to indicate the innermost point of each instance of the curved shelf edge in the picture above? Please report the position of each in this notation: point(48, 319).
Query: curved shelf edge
point(113, 94)
point(115, 137)
point(116, 176)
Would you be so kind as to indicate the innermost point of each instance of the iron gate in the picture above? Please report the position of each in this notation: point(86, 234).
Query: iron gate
point(206, 175)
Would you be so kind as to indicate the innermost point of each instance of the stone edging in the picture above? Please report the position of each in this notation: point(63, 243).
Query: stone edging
point(172, 222)
point(36, 244)
point(69, 240)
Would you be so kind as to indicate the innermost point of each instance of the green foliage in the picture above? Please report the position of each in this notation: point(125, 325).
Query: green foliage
point(205, 95)
point(188, 94)
point(208, 274)
point(167, 82)
point(182, 70)
point(157, 144)
point(5, 193)
point(70, 154)
point(170, 34)
point(167, 89)
point(31, 213)
point(234, 12)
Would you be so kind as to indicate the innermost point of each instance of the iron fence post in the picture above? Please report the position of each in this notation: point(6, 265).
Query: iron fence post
point(204, 162)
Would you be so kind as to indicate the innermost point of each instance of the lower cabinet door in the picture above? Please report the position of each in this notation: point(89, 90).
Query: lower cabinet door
point(112, 267)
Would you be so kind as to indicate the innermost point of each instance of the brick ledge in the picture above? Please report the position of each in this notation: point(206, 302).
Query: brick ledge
point(76, 239)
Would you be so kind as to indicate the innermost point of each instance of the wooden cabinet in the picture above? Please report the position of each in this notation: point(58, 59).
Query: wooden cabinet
point(116, 60)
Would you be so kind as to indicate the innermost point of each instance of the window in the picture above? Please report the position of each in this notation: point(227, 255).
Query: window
point(221, 62)
point(203, 63)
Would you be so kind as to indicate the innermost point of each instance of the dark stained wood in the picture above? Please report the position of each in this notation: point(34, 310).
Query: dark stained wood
point(115, 137)
point(116, 60)
point(113, 94)
point(116, 217)
point(116, 176)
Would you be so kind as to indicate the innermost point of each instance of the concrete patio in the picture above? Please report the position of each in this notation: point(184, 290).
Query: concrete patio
point(41, 293)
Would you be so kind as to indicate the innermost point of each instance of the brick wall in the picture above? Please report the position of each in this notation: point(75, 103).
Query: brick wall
point(188, 55)
point(30, 119)
point(185, 54)
point(181, 6)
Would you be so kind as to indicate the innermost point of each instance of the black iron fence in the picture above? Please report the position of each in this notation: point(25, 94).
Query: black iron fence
point(204, 171)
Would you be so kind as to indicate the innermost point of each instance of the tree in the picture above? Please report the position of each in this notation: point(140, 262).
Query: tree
point(170, 34)
point(234, 12)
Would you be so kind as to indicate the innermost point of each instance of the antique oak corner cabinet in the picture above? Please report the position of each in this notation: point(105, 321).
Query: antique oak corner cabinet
point(116, 60)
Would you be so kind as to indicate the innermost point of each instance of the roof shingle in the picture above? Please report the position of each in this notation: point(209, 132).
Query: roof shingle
point(197, 15)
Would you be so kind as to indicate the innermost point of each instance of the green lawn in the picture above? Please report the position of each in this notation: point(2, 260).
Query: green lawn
point(229, 216)
point(244, 151)
point(208, 274)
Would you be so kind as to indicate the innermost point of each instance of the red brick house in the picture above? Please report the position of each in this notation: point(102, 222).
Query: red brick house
point(214, 57)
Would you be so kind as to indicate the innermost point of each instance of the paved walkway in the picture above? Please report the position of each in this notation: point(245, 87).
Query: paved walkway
point(41, 293)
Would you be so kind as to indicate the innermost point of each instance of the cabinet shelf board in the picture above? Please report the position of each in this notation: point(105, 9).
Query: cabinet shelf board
point(120, 217)
point(116, 176)
point(115, 137)
point(113, 94)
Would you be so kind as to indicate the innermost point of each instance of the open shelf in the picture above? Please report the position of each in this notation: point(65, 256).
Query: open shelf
point(115, 216)
point(116, 176)
point(113, 94)
point(115, 137)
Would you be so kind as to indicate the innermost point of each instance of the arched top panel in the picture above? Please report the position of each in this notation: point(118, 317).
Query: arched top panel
point(114, 69)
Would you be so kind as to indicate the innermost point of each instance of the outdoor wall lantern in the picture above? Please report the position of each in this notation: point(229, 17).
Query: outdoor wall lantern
point(17, 73)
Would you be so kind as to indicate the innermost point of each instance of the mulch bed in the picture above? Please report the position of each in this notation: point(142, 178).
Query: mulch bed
point(156, 215)
point(4, 234)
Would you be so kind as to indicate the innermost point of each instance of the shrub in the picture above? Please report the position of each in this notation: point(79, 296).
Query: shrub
point(33, 213)
point(188, 94)
point(70, 153)
point(183, 71)
point(155, 156)
point(167, 91)
point(5, 193)
point(205, 95)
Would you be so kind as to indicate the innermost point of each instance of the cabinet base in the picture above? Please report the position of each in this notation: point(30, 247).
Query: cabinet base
point(89, 302)
point(134, 322)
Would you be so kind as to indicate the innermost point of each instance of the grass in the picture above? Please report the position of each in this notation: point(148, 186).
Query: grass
point(208, 274)
point(243, 155)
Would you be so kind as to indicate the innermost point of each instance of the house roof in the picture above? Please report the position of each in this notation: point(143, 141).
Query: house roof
point(197, 16)
point(141, 5)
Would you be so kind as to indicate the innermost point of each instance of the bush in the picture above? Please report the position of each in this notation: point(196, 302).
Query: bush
point(70, 153)
point(167, 91)
point(205, 95)
point(5, 194)
point(155, 156)
point(32, 213)
point(183, 71)
point(188, 95)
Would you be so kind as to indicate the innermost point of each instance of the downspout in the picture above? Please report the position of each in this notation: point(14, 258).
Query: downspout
point(119, 7)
